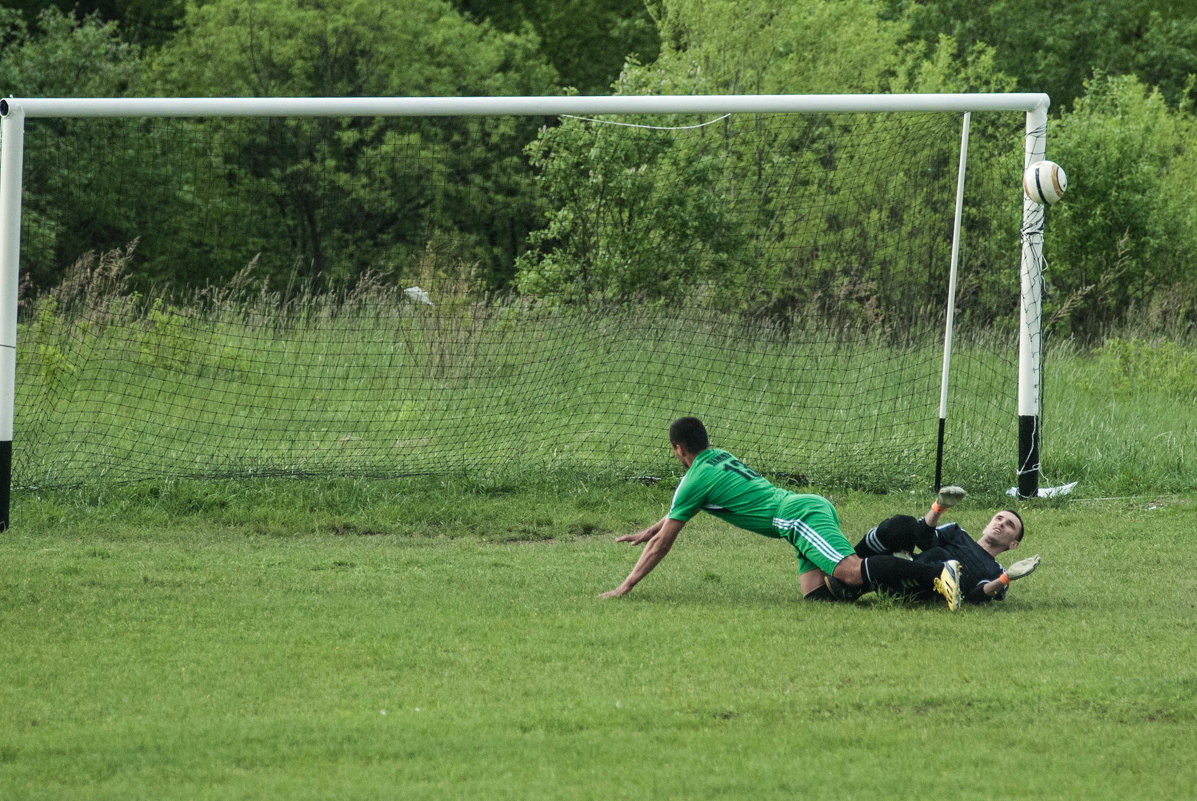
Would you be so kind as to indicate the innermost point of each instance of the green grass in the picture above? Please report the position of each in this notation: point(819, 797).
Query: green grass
point(113, 390)
point(442, 639)
point(1122, 425)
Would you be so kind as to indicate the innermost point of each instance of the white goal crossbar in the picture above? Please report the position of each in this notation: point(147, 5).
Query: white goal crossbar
point(520, 106)
point(14, 111)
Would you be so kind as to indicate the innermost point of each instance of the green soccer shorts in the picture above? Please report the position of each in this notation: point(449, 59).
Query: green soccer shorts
point(811, 525)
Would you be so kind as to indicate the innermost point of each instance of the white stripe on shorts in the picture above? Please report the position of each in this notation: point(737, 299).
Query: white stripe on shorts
point(810, 535)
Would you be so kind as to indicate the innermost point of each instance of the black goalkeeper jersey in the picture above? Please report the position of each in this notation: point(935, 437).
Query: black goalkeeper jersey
point(977, 566)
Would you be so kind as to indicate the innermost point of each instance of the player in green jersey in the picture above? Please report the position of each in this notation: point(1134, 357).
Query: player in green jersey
point(717, 482)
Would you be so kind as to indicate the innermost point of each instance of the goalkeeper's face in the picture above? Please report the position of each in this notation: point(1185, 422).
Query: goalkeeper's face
point(1004, 530)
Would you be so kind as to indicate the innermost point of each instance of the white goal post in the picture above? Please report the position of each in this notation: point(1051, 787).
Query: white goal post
point(14, 111)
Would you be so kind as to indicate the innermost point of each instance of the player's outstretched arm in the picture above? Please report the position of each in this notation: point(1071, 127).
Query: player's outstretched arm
point(944, 500)
point(1020, 569)
point(658, 546)
point(643, 536)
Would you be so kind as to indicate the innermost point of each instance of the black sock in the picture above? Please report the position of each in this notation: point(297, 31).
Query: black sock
point(819, 594)
point(899, 576)
point(897, 533)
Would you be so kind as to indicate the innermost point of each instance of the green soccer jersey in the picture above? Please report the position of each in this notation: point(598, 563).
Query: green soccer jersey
point(721, 484)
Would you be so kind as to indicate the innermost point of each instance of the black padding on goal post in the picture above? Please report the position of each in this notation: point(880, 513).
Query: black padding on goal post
point(5, 482)
point(1028, 455)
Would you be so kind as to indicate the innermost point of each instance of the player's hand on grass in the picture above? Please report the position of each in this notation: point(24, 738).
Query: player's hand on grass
point(1023, 567)
point(949, 497)
point(614, 593)
point(635, 539)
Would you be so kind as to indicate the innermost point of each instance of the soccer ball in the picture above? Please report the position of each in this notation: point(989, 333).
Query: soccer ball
point(1044, 182)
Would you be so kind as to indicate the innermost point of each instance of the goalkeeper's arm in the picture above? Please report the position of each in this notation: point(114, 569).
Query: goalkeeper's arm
point(945, 500)
point(1020, 569)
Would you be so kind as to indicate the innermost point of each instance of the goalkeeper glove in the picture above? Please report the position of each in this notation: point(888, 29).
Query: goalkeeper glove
point(1024, 567)
point(947, 498)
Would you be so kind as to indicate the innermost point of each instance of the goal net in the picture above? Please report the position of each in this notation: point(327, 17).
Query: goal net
point(229, 297)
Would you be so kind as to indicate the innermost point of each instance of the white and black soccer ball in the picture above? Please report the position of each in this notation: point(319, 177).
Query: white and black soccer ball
point(1044, 182)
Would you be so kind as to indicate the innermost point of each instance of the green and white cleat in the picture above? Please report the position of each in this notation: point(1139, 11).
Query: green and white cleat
point(948, 584)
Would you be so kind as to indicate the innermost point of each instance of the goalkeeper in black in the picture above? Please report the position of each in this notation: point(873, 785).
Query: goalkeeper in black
point(982, 578)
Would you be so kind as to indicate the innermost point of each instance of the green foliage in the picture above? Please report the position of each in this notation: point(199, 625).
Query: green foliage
point(942, 71)
point(288, 48)
point(143, 22)
point(306, 202)
point(632, 216)
point(53, 361)
point(64, 56)
point(771, 47)
point(716, 214)
point(829, 215)
point(1057, 47)
point(1139, 366)
point(587, 41)
point(303, 179)
point(1119, 245)
point(165, 341)
point(307, 175)
point(1127, 229)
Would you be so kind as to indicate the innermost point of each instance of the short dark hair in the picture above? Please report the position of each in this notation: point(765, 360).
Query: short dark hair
point(1022, 527)
point(690, 433)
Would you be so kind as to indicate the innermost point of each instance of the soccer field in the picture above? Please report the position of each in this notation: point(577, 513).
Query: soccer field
point(434, 639)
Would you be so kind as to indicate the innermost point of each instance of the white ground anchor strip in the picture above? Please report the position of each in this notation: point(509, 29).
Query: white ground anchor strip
point(1047, 492)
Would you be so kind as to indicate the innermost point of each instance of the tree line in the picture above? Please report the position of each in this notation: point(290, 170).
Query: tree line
point(1121, 76)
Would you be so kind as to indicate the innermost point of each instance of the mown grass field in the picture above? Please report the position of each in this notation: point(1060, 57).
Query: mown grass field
point(442, 639)
point(172, 636)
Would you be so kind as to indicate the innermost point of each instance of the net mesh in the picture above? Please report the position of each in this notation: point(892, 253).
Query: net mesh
point(390, 297)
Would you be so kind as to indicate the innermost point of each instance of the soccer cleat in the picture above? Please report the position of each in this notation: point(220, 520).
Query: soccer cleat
point(948, 584)
point(841, 591)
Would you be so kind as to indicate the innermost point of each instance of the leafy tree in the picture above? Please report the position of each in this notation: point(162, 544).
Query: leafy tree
point(1119, 245)
point(711, 213)
point(63, 56)
point(635, 215)
point(1055, 46)
point(989, 276)
point(144, 22)
point(319, 181)
point(587, 41)
point(774, 47)
point(656, 216)
point(1124, 236)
